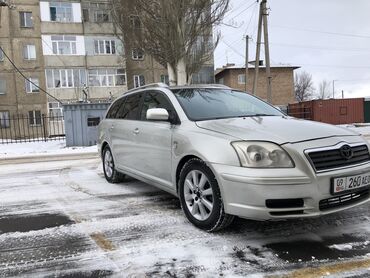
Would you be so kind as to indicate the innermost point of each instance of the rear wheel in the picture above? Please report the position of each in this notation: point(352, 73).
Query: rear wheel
point(200, 197)
point(110, 172)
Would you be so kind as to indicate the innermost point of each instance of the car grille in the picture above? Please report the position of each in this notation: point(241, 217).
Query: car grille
point(330, 159)
point(343, 200)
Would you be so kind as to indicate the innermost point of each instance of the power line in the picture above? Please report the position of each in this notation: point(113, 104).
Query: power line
point(323, 32)
point(26, 78)
point(254, 2)
point(333, 66)
point(242, 11)
point(250, 20)
point(232, 48)
point(314, 47)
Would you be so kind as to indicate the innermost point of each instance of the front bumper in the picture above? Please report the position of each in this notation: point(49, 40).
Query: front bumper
point(265, 194)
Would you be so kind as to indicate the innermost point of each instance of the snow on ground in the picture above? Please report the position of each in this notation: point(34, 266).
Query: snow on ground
point(363, 129)
point(25, 149)
point(63, 219)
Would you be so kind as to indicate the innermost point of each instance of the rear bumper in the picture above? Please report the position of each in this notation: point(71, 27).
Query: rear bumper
point(284, 193)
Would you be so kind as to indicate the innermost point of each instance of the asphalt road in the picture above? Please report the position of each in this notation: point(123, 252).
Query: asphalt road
point(62, 219)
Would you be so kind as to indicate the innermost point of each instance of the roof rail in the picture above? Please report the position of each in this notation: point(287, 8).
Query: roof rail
point(152, 85)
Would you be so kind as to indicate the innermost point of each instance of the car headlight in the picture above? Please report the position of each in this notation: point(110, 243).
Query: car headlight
point(262, 155)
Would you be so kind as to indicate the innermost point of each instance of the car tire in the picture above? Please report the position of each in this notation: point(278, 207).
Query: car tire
point(110, 172)
point(201, 198)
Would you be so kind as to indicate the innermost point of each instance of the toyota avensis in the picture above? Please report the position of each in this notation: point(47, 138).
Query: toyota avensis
point(226, 153)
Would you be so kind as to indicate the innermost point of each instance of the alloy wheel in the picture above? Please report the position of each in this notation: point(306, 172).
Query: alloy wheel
point(198, 195)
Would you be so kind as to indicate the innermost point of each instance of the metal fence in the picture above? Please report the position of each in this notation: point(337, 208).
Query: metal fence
point(31, 128)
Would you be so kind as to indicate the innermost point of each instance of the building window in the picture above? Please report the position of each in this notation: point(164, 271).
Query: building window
point(64, 45)
point(101, 16)
point(139, 80)
point(2, 86)
point(107, 77)
point(96, 12)
point(55, 110)
point(165, 79)
point(1, 55)
point(4, 119)
point(135, 21)
point(26, 19)
point(137, 54)
point(105, 47)
point(31, 85)
point(241, 79)
point(65, 78)
point(29, 52)
point(61, 12)
point(34, 117)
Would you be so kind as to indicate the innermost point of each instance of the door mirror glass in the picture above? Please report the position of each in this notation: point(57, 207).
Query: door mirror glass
point(157, 114)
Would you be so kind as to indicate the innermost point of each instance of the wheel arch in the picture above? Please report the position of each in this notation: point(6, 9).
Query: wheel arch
point(103, 145)
point(180, 165)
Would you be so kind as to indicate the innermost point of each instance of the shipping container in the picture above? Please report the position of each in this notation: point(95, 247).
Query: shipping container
point(331, 111)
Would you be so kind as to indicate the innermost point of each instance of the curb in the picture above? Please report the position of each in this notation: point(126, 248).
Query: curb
point(48, 157)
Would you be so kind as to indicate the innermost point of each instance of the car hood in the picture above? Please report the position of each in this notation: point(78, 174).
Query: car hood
point(274, 128)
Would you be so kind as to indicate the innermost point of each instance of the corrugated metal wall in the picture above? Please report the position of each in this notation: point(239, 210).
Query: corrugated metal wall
point(332, 111)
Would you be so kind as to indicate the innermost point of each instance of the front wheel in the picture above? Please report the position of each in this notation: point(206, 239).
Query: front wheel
point(200, 197)
point(110, 172)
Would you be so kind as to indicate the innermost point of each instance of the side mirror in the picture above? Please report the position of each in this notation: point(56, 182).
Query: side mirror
point(157, 114)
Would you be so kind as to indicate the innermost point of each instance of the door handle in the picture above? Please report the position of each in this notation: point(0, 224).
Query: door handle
point(136, 131)
point(112, 127)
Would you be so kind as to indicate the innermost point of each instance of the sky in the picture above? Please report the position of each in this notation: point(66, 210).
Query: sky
point(330, 39)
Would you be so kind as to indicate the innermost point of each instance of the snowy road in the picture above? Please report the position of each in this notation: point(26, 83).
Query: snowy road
point(62, 219)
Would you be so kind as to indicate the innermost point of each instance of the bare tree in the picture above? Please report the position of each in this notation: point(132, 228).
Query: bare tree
point(178, 34)
point(324, 89)
point(303, 86)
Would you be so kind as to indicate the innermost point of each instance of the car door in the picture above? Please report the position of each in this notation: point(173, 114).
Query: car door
point(154, 139)
point(123, 131)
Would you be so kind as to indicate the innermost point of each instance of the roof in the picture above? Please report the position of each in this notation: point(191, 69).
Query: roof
point(162, 85)
point(251, 66)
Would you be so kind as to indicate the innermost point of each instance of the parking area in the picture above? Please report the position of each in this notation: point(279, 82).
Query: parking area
point(62, 219)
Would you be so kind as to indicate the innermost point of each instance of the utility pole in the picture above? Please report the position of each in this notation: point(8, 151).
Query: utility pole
point(258, 51)
point(263, 21)
point(334, 88)
point(342, 94)
point(246, 60)
point(267, 50)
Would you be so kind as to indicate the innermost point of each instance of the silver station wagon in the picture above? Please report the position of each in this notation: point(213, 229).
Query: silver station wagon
point(226, 153)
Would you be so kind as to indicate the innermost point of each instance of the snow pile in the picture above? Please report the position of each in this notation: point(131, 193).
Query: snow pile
point(41, 148)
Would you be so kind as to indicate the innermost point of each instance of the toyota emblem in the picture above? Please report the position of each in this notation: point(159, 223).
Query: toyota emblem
point(346, 152)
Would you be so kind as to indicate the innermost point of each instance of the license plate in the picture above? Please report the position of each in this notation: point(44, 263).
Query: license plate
point(349, 183)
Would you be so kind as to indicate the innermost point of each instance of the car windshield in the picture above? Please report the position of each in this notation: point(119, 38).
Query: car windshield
point(210, 104)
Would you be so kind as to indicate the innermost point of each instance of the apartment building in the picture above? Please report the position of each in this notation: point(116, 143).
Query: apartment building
point(68, 48)
point(83, 57)
point(71, 49)
point(20, 38)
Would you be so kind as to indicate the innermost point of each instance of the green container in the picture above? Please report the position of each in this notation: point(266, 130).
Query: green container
point(367, 110)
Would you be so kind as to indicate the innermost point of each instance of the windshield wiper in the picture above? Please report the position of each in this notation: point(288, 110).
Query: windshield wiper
point(256, 115)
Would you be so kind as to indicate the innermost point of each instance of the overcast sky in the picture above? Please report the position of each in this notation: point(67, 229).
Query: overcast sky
point(328, 38)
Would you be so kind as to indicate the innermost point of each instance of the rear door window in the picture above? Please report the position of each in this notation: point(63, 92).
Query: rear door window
point(130, 109)
point(114, 108)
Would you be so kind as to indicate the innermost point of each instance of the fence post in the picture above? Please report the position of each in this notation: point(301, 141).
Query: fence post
point(44, 127)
